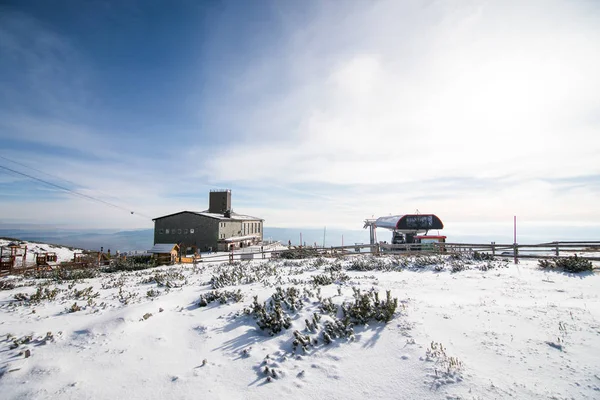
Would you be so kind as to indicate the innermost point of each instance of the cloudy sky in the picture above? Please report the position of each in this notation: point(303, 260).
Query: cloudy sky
point(314, 113)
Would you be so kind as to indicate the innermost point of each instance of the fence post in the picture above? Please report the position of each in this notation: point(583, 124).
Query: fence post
point(493, 249)
point(516, 253)
point(556, 248)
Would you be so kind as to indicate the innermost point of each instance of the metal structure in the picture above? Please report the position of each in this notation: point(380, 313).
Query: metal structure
point(407, 229)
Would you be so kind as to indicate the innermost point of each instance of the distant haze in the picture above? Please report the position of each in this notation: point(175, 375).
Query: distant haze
point(527, 233)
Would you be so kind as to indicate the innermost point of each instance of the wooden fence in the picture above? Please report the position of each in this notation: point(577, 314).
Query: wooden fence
point(589, 250)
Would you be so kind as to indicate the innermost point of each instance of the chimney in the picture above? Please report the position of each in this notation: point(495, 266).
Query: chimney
point(219, 201)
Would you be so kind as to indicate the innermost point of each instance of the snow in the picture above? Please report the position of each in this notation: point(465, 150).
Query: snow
point(514, 330)
point(62, 253)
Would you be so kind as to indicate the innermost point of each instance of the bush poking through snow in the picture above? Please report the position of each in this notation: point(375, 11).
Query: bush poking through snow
point(572, 264)
point(40, 294)
point(371, 263)
point(221, 296)
point(242, 274)
point(328, 279)
point(171, 279)
point(298, 254)
point(338, 329)
point(423, 261)
point(271, 316)
point(6, 285)
point(446, 368)
point(132, 263)
point(367, 306)
point(328, 307)
point(302, 341)
point(61, 274)
point(477, 256)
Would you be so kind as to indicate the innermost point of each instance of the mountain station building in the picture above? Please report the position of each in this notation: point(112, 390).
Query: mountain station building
point(218, 228)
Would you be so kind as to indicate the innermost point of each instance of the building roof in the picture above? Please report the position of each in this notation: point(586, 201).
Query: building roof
point(410, 222)
point(239, 238)
point(234, 216)
point(163, 248)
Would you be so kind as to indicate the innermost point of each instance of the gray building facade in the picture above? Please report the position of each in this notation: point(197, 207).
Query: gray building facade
point(217, 228)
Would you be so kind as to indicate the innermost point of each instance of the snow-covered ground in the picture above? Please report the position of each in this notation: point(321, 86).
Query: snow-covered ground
point(491, 331)
point(63, 253)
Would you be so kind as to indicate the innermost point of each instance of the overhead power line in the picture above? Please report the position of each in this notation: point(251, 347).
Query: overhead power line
point(71, 191)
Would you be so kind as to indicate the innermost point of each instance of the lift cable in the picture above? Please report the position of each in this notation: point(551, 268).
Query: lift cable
point(72, 191)
point(40, 171)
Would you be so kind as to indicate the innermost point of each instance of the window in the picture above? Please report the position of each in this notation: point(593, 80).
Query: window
point(185, 231)
point(179, 231)
point(192, 230)
point(167, 231)
point(172, 231)
point(160, 231)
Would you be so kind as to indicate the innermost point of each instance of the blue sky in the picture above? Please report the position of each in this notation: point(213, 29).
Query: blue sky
point(313, 113)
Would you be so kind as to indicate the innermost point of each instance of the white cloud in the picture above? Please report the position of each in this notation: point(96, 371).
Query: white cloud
point(466, 110)
point(397, 93)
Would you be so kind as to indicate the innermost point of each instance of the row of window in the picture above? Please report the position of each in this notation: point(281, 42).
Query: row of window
point(253, 227)
point(175, 231)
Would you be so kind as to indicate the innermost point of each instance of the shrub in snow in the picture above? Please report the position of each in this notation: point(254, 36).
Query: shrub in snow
point(427, 260)
point(446, 366)
point(243, 273)
point(61, 274)
point(126, 297)
point(337, 329)
point(477, 256)
point(84, 294)
point(41, 293)
point(302, 341)
point(289, 297)
point(367, 306)
point(328, 307)
point(171, 278)
point(6, 285)
point(313, 324)
point(458, 265)
point(299, 253)
point(371, 263)
point(319, 262)
point(336, 266)
point(221, 296)
point(270, 318)
point(328, 279)
point(322, 279)
point(571, 264)
point(74, 308)
point(131, 263)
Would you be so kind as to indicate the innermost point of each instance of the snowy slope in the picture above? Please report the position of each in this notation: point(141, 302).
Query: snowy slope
point(512, 332)
point(62, 253)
